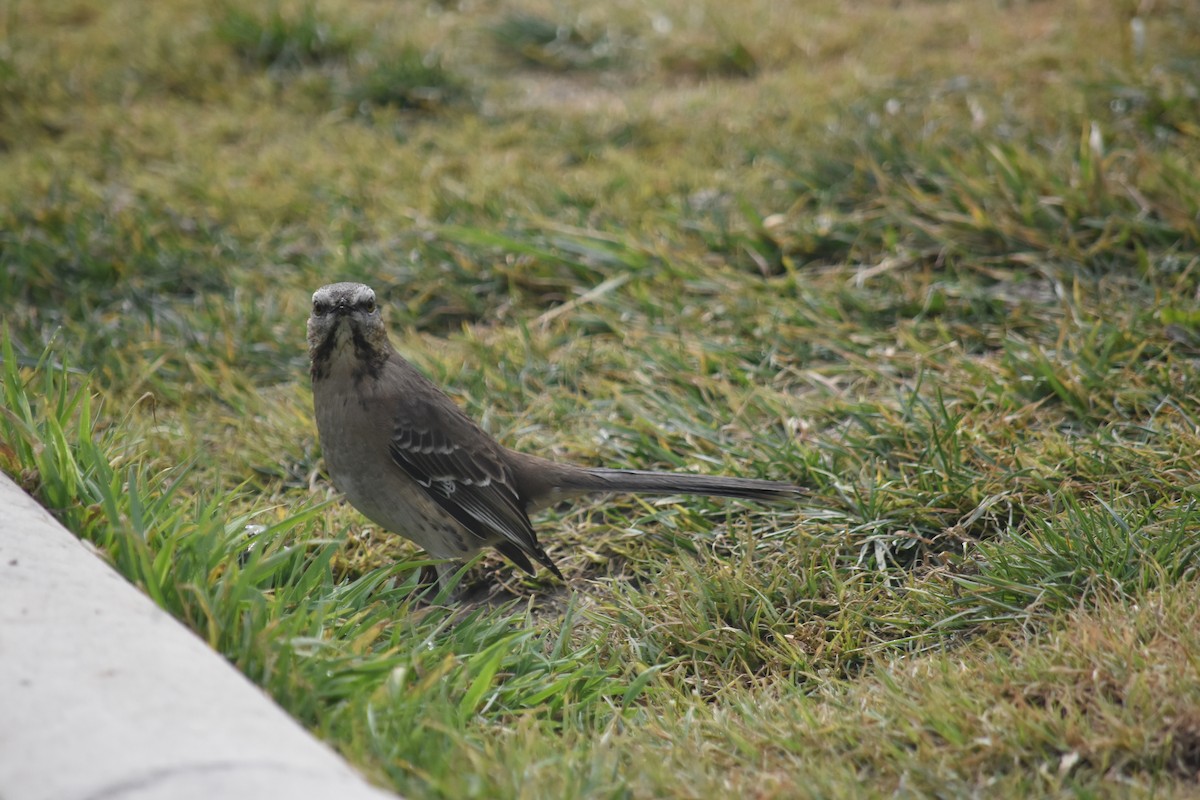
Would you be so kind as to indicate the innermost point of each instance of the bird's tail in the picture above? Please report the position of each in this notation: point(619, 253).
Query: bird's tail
point(598, 479)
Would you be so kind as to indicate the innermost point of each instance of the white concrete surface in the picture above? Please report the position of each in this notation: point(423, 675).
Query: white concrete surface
point(103, 696)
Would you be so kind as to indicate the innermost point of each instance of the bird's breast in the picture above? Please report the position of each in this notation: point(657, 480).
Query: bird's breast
point(355, 432)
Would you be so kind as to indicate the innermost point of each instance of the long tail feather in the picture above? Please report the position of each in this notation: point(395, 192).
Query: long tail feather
point(648, 482)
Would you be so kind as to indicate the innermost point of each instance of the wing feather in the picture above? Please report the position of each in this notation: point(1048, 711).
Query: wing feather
point(465, 473)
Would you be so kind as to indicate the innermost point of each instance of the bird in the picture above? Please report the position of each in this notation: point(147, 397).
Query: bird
point(413, 462)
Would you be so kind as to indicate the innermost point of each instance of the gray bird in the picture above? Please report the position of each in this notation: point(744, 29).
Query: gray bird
point(412, 462)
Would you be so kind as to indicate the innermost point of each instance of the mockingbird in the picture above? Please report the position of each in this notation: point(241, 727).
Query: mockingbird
point(408, 458)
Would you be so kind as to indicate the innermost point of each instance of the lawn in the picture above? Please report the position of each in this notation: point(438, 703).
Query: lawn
point(937, 261)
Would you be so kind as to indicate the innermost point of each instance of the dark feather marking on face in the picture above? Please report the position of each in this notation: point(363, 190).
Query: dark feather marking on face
point(370, 358)
point(319, 368)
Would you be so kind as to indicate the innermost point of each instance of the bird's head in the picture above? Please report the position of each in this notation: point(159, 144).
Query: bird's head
point(345, 323)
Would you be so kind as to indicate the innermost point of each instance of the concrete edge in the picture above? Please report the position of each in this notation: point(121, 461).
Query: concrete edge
point(105, 696)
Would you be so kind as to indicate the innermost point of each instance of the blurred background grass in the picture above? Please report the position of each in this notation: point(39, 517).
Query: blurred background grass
point(935, 260)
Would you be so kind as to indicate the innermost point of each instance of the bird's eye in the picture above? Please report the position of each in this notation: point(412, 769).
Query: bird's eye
point(370, 305)
point(320, 307)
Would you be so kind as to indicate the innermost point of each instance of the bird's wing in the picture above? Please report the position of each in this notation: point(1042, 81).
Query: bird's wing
point(464, 471)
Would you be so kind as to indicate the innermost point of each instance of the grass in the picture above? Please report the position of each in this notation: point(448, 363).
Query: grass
point(280, 40)
point(948, 280)
point(409, 80)
point(539, 42)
